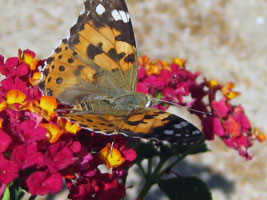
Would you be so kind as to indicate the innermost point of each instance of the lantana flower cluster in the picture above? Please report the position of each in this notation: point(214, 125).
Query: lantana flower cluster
point(39, 149)
point(172, 82)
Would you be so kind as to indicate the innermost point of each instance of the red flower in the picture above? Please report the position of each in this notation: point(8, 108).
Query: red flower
point(8, 170)
point(27, 155)
point(44, 182)
point(232, 127)
point(5, 141)
point(220, 108)
point(30, 132)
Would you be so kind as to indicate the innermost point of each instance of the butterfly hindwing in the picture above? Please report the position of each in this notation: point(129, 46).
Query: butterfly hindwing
point(151, 123)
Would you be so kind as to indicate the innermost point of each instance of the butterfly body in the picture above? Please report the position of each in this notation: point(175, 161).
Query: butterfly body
point(95, 71)
point(120, 105)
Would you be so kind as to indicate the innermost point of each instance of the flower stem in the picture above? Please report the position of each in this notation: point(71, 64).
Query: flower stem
point(32, 197)
point(151, 179)
point(179, 159)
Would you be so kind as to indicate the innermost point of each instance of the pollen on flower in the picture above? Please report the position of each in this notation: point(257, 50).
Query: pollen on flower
point(111, 157)
point(143, 61)
point(15, 96)
point(35, 78)
point(261, 137)
point(49, 104)
point(178, 61)
point(53, 131)
point(228, 91)
point(2, 106)
point(153, 69)
point(28, 59)
point(213, 83)
point(69, 126)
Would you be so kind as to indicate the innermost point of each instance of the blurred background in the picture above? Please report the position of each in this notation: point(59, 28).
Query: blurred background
point(222, 39)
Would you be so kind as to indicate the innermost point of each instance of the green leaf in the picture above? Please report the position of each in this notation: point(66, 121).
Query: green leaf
point(185, 188)
point(6, 195)
point(199, 148)
point(144, 150)
point(13, 191)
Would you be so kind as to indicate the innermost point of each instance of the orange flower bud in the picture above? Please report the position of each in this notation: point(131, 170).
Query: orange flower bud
point(69, 126)
point(30, 61)
point(15, 96)
point(35, 78)
point(49, 104)
point(2, 105)
point(259, 135)
point(228, 91)
point(213, 83)
point(53, 131)
point(111, 156)
point(178, 61)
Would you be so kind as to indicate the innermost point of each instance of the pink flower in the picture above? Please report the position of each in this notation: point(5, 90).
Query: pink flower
point(8, 170)
point(44, 182)
point(220, 108)
point(58, 156)
point(5, 141)
point(141, 73)
point(242, 119)
point(30, 132)
point(232, 127)
point(27, 155)
point(141, 87)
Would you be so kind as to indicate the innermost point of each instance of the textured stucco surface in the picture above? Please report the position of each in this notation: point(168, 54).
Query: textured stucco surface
point(223, 39)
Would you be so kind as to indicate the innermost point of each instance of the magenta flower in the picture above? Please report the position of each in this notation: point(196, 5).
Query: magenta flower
point(44, 182)
point(5, 141)
point(8, 170)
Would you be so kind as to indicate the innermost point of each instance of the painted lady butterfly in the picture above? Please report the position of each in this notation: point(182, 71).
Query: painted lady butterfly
point(95, 70)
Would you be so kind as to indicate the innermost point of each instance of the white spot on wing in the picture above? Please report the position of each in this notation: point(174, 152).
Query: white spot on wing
point(169, 132)
point(184, 123)
point(100, 9)
point(196, 132)
point(116, 15)
point(120, 15)
point(178, 126)
point(124, 16)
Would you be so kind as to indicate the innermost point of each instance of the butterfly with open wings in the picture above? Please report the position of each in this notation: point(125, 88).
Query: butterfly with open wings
point(95, 71)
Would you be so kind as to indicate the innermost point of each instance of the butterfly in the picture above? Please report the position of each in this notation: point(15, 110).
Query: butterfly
point(95, 71)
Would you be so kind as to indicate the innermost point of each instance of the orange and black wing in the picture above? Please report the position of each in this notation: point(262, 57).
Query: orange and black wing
point(99, 58)
point(151, 123)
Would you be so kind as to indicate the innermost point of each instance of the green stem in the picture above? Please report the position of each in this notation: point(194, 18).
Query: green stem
point(141, 168)
point(149, 167)
point(32, 197)
point(179, 159)
point(151, 180)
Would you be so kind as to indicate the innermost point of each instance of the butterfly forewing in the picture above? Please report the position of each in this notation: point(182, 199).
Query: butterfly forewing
point(98, 58)
point(103, 34)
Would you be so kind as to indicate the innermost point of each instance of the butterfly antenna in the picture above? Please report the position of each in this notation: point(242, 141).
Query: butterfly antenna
point(178, 105)
point(111, 148)
point(112, 145)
